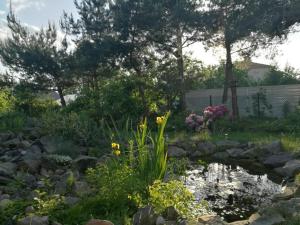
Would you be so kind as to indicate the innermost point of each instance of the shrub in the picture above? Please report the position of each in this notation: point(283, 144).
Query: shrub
point(163, 195)
point(13, 121)
point(7, 101)
point(195, 122)
point(12, 212)
point(215, 112)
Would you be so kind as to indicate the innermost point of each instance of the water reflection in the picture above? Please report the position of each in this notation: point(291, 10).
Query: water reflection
point(231, 191)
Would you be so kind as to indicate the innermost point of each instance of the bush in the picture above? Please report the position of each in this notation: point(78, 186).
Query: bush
point(12, 212)
point(13, 121)
point(7, 101)
point(174, 193)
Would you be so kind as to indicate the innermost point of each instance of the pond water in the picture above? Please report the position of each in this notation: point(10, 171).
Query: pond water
point(231, 191)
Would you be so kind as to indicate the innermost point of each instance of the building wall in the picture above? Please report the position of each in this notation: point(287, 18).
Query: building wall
point(276, 96)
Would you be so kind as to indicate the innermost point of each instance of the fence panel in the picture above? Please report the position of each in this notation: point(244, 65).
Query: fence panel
point(251, 100)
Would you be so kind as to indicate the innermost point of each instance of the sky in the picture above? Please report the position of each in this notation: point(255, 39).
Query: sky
point(37, 13)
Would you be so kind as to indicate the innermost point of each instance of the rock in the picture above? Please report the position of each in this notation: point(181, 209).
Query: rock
point(290, 191)
point(204, 149)
point(25, 144)
point(273, 148)
point(235, 152)
point(34, 220)
point(4, 203)
point(160, 221)
point(269, 219)
point(85, 162)
point(145, 216)
point(56, 223)
point(49, 144)
point(226, 144)
point(29, 210)
point(277, 160)
point(171, 213)
point(210, 220)
point(12, 143)
point(220, 156)
point(290, 169)
point(176, 152)
point(81, 188)
point(7, 169)
point(4, 196)
point(71, 201)
point(99, 222)
point(242, 222)
point(5, 180)
point(6, 136)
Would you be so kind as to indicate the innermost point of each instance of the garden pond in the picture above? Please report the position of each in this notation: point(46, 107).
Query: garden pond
point(232, 191)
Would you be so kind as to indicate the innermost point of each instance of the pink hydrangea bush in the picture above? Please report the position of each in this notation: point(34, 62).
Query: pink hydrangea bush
point(215, 112)
point(195, 122)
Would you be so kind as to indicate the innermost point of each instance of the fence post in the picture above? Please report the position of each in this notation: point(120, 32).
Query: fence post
point(210, 100)
point(258, 104)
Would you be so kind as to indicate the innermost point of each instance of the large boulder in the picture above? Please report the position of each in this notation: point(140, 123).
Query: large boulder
point(210, 220)
point(176, 152)
point(12, 143)
point(34, 220)
point(204, 149)
point(7, 169)
point(290, 169)
point(235, 152)
point(277, 160)
point(145, 216)
point(269, 219)
point(272, 148)
point(99, 222)
point(31, 160)
point(227, 144)
point(6, 136)
point(82, 163)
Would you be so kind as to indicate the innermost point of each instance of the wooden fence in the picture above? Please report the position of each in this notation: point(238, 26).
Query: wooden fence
point(274, 101)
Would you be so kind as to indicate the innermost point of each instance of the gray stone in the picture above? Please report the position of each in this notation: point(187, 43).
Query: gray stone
point(13, 143)
point(25, 144)
point(176, 152)
point(81, 188)
point(29, 210)
point(71, 201)
point(49, 144)
point(291, 191)
point(34, 220)
point(145, 216)
point(171, 213)
point(4, 203)
point(4, 196)
point(290, 169)
point(277, 160)
point(271, 219)
point(5, 180)
point(6, 136)
point(206, 148)
point(227, 144)
point(220, 156)
point(85, 162)
point(235, 152)
point(7, 169)
point(273, 148)
point(160, 221)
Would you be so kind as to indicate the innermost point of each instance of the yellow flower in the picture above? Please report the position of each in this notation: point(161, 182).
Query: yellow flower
point(160, 120)
point(117, 152)
point(115, 146)
point(142, 126)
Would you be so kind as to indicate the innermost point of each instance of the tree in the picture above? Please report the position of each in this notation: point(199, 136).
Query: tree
point(39, 57)
point(233, 22)
point(173, 31)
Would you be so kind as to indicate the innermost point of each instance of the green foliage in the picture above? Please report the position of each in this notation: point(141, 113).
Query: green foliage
point(45, 205)
point(177, 167)
point(13, 121)
point(12, 212)
point(277, 77)
point(260, 105)
point(174, 193)
point(151, 159)
point(7, 101)
point(297, 179)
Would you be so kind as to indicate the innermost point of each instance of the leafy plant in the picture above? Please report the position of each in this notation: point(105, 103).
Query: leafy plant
point(151, 158)
point(164, 195)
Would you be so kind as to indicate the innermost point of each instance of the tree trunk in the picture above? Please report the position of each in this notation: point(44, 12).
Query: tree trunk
point(61, 96)
point(180, 66)
point(230, 80)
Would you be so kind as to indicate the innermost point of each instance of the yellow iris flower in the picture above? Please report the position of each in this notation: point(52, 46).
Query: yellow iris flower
point(160, 120)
